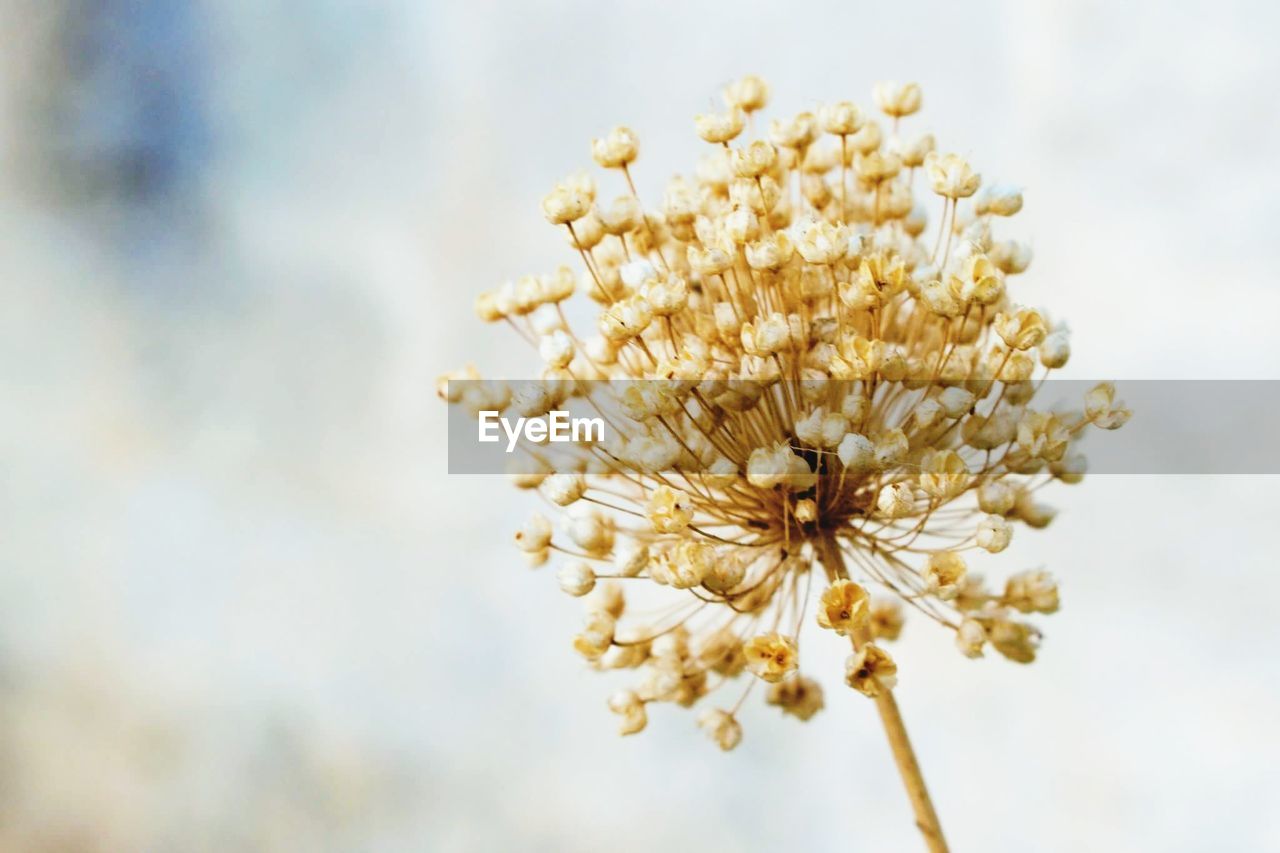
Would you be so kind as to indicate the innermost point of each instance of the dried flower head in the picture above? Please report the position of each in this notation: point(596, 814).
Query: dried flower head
point(798, 374)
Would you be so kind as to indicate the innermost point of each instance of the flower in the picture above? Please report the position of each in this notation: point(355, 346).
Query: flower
point(771, 656)
point(840, 118)
point(945, 571)
point(668, 510)
point(748, 94)
point(844, 607)
point(1032, 592)
point(871, 671)
point(803, 357)
point(719, 127)
point(721, 727)
point(970, 638)
point(994, 534)
point(898, 100)
point(628, 705)
point(618, 148)
point(576, 579)
point(800, 697)
point(950, 175)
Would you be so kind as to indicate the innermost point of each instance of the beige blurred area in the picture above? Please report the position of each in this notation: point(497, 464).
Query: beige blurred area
point(244, 607)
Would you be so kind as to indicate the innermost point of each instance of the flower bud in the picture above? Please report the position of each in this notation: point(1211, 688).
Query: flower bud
point(951, 175)
point(576, 579)
point(618, 148)
point(563, 205)
point(999, 200)
point(1033, 591)
point(771, 656)
point(970, 638)
point(564, 489)
point(535, 535)
point(895, 500)
point(748, 94)
point(630, 707)
point(871, 671)
point(841, 118)
point(721, 727)
point(898, 100)
point(945, 571)
point(994, 534)
point(845, 607)
point(719, 128)
point(669, 511)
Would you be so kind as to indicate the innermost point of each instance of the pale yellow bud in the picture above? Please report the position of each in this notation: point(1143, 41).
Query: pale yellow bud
point(631, 559)
point(1055, 349)
point(944, 572)
point(943, 474)
point(1101, 408)
point(996, 497)
point(721, 727)
point(857, 453)
point(1033, 591)
point(668, 510)
point(895, 500)
point(914, 151)
point(718, 128)
point(621, 217)
point(955, 401)
point(844, 608)
point(596, 636)
point(563, 205)
point(625, 319)
point(891, 447)
point(998, 200)
point(800, 697)
point(1042, 436)
point(1034, 514)
point(535, 535)
point(994, 534)
point(1015, 640)
point(616, 149)
point(898, 100)
point(950, 175)
point(796, 133)
point(748, 94)
point(771, 656)
point(576, 579)
point(806, 511)
point(1022, 329)
point(556, 349)
point(564, 489)
point(970, 638)
point(630, 707)
point(840, 118)
point(871, 671)
point(823, 243)
point(753, 160)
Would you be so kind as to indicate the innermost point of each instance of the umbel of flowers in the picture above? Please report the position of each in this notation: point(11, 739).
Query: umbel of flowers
point(840, 383)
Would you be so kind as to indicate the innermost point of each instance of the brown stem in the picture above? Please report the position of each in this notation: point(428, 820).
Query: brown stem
point(891, 719)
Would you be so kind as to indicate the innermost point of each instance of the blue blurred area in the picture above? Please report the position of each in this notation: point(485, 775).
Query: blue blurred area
point(133, 120)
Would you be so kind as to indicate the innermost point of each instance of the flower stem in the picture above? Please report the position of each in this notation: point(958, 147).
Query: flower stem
point(891, 718)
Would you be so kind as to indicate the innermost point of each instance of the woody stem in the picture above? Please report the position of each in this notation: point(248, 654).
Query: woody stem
point(891, 718)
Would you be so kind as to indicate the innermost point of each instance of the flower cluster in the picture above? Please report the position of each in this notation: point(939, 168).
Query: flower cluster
point(824, 382)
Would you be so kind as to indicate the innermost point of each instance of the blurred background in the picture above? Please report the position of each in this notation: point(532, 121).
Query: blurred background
point(243, 607)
